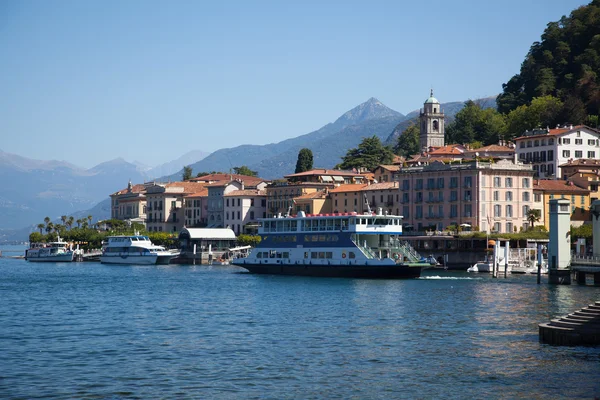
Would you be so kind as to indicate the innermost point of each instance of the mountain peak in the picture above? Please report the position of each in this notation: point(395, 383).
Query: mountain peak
point(370, 109)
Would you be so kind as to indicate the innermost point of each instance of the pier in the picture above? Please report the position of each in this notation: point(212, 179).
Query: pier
point(579, 328)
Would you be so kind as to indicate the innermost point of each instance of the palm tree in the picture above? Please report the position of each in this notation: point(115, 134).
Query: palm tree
point(79, 221)
point(47, 221)
point(70, 221)
point(49, 227)
point(63, 218)
point(40, 227)
point(89, 217)
point(533, 215)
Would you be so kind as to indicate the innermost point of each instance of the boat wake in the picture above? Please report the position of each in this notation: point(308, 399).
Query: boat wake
point(450, 278)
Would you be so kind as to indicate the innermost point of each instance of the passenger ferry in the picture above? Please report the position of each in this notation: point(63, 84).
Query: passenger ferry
point(135, 250)
point(334, 245)
point(58, 251)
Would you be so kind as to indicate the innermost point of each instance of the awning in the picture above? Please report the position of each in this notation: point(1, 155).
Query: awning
point(338, 179)
point(208, 233)
point(326, 178)
point(465, 225)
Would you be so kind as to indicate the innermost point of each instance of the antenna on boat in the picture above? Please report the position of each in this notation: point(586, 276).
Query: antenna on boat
point(289, 211)
point(367, 203)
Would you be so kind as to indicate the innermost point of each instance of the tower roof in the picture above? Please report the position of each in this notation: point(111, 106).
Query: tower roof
point(431, 99)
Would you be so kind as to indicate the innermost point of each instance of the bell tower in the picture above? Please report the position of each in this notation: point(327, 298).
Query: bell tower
point(432, 124)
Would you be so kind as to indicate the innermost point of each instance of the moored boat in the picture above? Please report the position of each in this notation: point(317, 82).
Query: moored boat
point(334, 245)
point(135, 250)
point(57, 251)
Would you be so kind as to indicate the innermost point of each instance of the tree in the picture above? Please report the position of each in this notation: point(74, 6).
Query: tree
point(79, 221)
point(41, 227)
point(63, 218)
point(541, 113)
point(369, 154)
point(475, 124)
point(533, 215)
point(35, 237)
point(187, 173)
point(89, 218)
point(408, 141)
point(244, 170)
point(70, 221)
point(49, 227)
point(305, 161)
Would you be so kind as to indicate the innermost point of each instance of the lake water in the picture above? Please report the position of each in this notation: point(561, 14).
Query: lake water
point(87, 330)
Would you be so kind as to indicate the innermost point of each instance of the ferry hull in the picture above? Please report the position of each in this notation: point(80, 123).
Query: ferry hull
point(67, 257)
point(336, 271)
point(137, 260)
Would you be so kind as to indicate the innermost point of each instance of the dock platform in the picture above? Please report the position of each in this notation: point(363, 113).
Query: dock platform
point(576, 329)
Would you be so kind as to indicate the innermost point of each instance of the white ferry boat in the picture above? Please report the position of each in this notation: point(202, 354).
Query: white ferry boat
point(334, 245)
point(134, 250)
point(58, 251)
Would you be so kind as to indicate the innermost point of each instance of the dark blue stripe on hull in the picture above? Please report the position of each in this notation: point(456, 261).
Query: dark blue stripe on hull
point(336, 271)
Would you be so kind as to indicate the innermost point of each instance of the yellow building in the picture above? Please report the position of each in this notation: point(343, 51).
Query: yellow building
point(545, 190)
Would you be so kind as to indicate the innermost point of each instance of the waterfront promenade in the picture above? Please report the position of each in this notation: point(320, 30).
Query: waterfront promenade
point(82, 330)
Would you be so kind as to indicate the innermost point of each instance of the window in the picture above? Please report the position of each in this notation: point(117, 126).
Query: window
point(578, 153)
point(525, 196)
point(591, 142)
point(550, 155)
point(497, 181)
point(405, 184)
point(441, 211)
point(543, 142)
point(578, 141)
point(529, 143)
point(508, 182)
point(419, 212)
point(536, 143)
point(440, 183)
point(509, 211)
point(509, 227)
point(483, 195)
point(405, 211)
point(453, 182)
point(404, 198)
point(419, 196)
point(551, 141)
point(497, 226)
point(497, 210)
point(525, 211)
point(453, 211)
point(467, 210)
point(468, 181)
point(467, 195)
point(537, 197)
point(430, 199)
point(419, 184)
point(591, 154)
point(453, 195)
point(526, 182)
point(566, 153)
point(522, 145)
point(566, 141)
point(496, 195)
point(508, 196)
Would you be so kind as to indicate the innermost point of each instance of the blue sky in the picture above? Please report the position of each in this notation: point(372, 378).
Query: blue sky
point(89, 81)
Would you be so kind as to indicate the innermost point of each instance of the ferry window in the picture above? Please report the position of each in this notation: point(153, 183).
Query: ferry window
point(328, 254)
point(259, 255)
point(286, 225)
point(286, 254)
point(307, 238)
point(278, 255)
point(337, 224)
point(294, 225)
point(322, 238)
point(306, 254)
point(315, 238)
point(272, 255)
point(313, 254)
point(321, 254)
point(351, 255)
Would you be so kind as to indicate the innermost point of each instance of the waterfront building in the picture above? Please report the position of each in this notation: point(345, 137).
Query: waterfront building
point(480, 195)
point(165, 205)
point(547, 149)
point(432, 130)
point(243, 208)
point(328, 176)
point(494, 151)
point(317, 202)
point(584, 173)
point(129, 204)
point(386, 173)
point(196, 209)
point(545, 190)
point(281, 195)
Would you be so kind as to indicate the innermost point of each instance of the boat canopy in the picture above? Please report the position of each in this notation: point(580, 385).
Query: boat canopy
point(208, 233)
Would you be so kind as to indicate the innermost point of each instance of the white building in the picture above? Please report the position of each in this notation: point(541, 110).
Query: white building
point(546, 149)
point(243, 208)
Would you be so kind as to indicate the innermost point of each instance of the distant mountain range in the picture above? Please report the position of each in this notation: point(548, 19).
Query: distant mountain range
point(328, 144)
point(34, 189)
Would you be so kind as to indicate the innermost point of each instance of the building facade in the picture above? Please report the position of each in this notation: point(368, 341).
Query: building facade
point(243, 208)
point(547, 149)
point(129, 203)
point(165, 202)
point(545, 190)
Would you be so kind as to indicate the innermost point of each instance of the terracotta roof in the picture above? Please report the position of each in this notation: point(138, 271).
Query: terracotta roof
point(581, 161)
point(319, 194)
point(246, 192)
point(380, 186)
point(451, 149)
point(392, 168)
point(397, 159)
point(494, 148)
point(322, 171)
point(348, 188)
point(137, 188)
point(248, 180)
point(201, 193)
point(553, 185)
point(188, 187)
point(555, 132)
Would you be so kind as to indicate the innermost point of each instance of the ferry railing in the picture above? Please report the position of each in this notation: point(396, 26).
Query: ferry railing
point(366, 250)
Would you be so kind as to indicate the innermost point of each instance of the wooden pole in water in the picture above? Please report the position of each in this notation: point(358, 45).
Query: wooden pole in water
point(506, 253)
point(495, 260)
point(539, 263)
